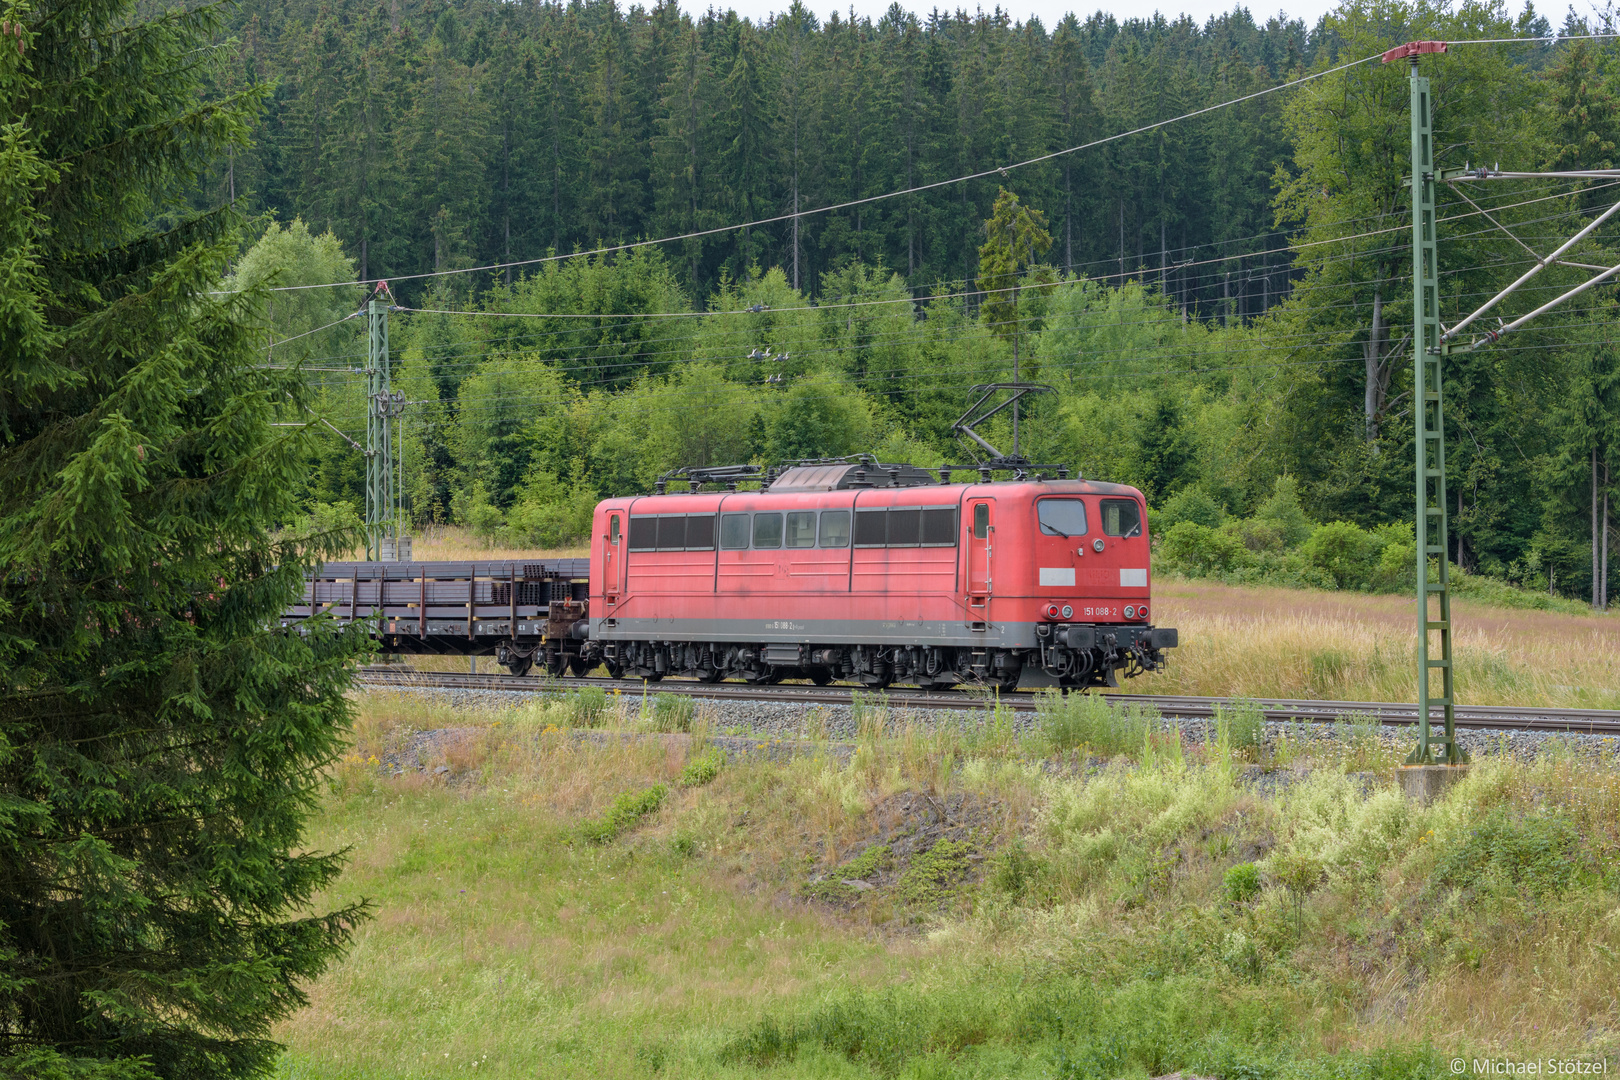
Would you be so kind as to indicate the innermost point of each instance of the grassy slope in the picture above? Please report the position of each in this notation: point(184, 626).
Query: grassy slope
point(1108, 945)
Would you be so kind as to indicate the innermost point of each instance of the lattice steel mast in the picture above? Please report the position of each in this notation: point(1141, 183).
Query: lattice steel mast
point(1428, 355)
point(385, 494)
point(1432, 343)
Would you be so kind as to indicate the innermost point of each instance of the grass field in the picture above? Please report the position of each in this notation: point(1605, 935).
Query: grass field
point(1266, 642)
point(1099, 899)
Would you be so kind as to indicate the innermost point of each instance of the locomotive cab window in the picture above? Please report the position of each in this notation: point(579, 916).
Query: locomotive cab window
point(734, 531)
point(981, 521)
point(613, 529)
point(1121, 517)
point(1062, 517)
point(767, 530)
point(834, 529)
point(801, 529)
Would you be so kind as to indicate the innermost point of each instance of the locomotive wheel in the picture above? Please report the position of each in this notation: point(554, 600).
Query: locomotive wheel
point(819, 675)
point(710, 675)
point(615, 668)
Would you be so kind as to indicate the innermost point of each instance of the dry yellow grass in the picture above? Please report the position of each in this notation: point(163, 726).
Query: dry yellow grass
point(1262, 642)
point(450, 543)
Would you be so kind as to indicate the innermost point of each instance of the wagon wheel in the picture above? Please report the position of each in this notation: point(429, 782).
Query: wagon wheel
point(577, 667)
point(556, 662)
point(520, 665)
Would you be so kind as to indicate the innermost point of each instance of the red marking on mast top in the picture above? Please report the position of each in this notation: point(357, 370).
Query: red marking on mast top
point(1414, 48)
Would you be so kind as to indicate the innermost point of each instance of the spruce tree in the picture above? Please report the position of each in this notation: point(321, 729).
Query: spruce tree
point(159, 738)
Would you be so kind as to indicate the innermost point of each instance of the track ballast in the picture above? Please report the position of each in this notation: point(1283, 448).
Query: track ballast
point(1489, 717)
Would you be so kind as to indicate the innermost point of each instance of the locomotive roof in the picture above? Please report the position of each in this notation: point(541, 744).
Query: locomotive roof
point(931, 492)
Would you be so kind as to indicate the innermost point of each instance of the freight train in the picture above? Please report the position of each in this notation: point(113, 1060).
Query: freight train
point(833, 571)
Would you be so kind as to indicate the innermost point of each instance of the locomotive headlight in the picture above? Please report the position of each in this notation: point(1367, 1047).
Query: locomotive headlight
point(1068, 612)
point(1097, 545)
point(1130, 611)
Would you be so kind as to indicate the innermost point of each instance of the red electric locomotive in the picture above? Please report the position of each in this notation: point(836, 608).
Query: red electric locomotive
point(877, 574)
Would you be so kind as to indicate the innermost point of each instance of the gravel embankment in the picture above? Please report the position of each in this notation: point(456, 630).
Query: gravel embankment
point(748, 721)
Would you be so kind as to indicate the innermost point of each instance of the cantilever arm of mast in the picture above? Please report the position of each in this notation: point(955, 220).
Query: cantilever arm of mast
point(1491, 337)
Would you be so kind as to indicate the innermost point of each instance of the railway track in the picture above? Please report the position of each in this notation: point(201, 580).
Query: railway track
point(1497, 717)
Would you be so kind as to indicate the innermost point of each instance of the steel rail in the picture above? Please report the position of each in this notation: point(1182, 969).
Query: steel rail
point(1491, 717)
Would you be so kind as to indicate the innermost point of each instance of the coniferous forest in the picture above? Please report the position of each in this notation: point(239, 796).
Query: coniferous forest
point(1222, 302)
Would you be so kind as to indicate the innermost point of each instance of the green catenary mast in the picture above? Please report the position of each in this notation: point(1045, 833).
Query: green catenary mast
point(1434, 654)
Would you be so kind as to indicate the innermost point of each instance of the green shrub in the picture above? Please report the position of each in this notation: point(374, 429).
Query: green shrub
point(1283, 512)
point(1076, 719)
point(1191, 504)
point(587, 706)
point(1241, 726)
point(626, 810)
point(672, 713)
point(703, 768)
point(1200, 551)
point(1536, 855)
point(1242, 882)
point(1346, 551)
point(1015, 872)
point(931, 873)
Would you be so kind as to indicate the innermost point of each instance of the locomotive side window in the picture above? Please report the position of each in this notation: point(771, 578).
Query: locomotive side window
point(905, 527)
point(671, 533)
point(1121, 517)
point(981, 521)
point(643, 534)
point(801, 529)
point(870, 529)
point(939, 526)
point(835, 528)
point(767, 530)
point(734, 531)
point(700, 532)
point(1063, 517)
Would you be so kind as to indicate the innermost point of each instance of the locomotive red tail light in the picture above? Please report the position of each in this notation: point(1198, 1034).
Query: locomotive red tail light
point(1051, 611)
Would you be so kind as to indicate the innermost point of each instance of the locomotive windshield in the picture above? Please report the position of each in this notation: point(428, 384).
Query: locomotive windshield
point(1121, 517)
point(1062, 517)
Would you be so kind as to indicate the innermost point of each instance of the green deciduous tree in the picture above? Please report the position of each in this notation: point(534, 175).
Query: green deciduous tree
point(159, 745)
point(1014, 237)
